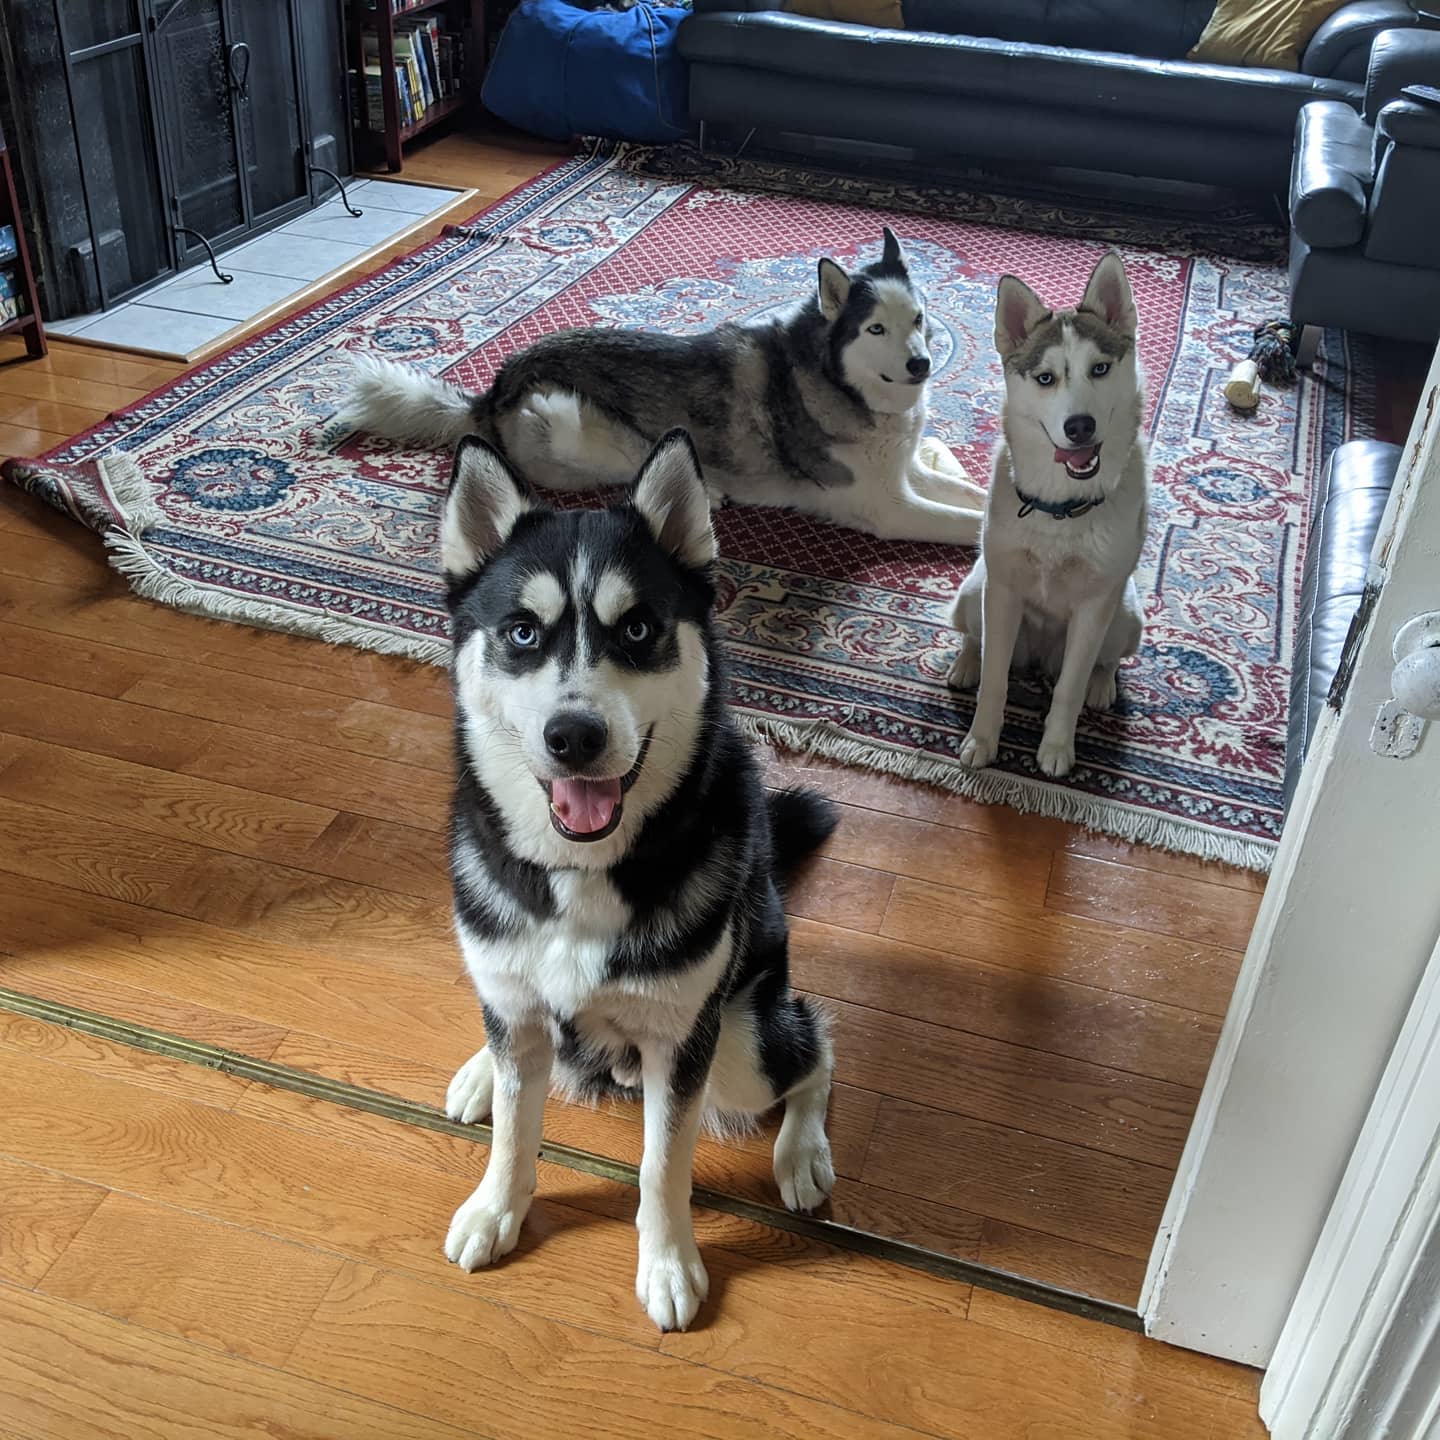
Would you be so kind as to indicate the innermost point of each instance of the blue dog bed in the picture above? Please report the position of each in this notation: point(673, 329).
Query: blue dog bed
point(561, 71)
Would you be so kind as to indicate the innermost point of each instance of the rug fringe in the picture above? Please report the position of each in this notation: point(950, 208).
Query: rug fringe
point(150, 579)
point(995, 787)
point(128, 488)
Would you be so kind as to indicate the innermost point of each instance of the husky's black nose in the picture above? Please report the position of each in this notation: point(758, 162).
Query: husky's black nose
point(1080, 429)
point(575, 737)
point(918, 366)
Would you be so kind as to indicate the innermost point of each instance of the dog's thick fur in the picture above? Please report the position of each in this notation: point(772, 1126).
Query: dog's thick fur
point(648, 951)
point(1058, 592)
point(822, 410)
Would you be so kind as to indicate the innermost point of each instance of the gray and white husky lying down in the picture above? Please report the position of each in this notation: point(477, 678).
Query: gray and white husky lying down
point(821, 410)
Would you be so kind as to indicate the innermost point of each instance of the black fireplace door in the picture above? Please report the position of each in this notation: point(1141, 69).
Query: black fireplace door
point(228, 83)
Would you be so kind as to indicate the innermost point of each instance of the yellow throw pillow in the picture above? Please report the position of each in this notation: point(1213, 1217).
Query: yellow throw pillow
point(883, 14)
point(1271, 34)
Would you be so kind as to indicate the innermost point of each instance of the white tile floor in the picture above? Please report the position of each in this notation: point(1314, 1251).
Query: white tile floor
point(188, 311)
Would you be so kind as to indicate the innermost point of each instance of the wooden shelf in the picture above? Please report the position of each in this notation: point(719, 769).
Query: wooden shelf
point(464, 19)
point(419, 9)
point(30, 323)
point(442, 110)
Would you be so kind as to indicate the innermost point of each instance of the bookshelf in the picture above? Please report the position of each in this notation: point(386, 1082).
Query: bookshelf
point(414, 65)
point(17, 278)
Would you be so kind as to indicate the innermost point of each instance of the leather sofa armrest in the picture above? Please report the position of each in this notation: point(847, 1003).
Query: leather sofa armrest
point(1340, 48)
point(1397, 59)
point(1330, 175)
point(1406, 122)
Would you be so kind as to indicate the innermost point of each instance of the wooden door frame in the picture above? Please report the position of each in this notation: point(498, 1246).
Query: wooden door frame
point(1344, 933)
point(1359, 1356)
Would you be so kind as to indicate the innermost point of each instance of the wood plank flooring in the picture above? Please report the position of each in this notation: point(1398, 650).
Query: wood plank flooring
point(238, 837)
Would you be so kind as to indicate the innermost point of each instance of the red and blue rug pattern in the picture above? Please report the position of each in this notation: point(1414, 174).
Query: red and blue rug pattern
point(235, 493)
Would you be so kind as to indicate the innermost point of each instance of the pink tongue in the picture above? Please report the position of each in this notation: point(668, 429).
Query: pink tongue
point(584, 806)
point(1078, 458)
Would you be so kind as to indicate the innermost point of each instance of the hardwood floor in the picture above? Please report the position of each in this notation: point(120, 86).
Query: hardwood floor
point(237, 837)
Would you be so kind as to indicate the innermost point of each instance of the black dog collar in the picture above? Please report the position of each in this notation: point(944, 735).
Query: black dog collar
point(1056, 509)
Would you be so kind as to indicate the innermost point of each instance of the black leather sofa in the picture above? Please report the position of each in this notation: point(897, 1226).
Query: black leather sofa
point(1365, 201)
point(1089, 84)
point(1348, 507)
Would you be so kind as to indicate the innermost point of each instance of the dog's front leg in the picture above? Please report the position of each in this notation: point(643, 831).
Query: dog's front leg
point(900, 514)
point(671, 1280)
point(1084, 636)
point(1001, 611)
point(488, 1224)
point(945, 487)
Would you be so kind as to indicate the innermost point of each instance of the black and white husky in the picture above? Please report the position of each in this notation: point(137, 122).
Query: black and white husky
point(821, 410)
point(615, 859)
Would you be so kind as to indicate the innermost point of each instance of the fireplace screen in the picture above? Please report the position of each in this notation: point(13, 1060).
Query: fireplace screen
point(161, 131)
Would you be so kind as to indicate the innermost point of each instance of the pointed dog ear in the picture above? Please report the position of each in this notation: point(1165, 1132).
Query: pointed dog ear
point(483, 503)
point(893, 257)
point(834, 290)
point(670, 494)
point(1018, 310)
point(1108, 295)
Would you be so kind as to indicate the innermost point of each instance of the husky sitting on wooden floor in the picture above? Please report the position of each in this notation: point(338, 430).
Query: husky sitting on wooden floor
point(616, 863)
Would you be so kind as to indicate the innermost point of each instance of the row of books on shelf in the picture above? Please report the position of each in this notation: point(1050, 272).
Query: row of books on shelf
point(429, 68)
point(13, 301)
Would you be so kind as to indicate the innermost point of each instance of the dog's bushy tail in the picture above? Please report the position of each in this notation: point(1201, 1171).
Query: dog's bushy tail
point(801, 821)
point(405, 404)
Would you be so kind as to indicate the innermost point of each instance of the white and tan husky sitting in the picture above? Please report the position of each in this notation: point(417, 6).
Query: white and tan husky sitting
point(1065, 518)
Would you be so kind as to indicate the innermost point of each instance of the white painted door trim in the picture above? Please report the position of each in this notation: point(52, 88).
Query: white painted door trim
point(1344, 932)
point(1359, 1358)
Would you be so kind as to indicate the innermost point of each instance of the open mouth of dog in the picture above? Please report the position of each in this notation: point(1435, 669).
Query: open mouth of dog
point(583, 809)
point(1081, 464)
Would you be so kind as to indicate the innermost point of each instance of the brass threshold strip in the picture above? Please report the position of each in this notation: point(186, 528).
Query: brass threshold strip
point(409, 1112)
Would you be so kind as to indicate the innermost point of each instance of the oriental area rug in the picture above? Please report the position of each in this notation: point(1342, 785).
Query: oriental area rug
point(234, 493)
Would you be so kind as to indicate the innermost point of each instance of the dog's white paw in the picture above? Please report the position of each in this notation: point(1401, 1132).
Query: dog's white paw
point(804, 1172)
point(1056, 755)
point(1100, 693)
point(965, 672)
point(483, 1231)
point(670, 1283)
point(472, 1091)
point(978, 750)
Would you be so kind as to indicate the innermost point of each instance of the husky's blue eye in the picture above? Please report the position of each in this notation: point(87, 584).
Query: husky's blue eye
point(1045, 377)
point(1100, 369)
point(637, 632)
point(876, 329)
point(523, 635)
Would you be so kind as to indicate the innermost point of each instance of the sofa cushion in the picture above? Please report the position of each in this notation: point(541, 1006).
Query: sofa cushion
point(1399, 58)
point(1331, 174)
point(1157, 29)
point(879, 14)
point(1340, 48)
point(1270, 34)
point(1177, 91)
